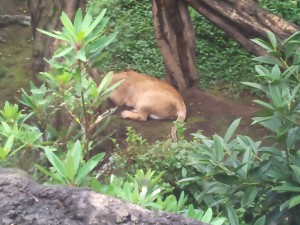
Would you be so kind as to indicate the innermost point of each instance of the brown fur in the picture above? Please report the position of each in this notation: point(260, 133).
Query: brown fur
point(148, 96)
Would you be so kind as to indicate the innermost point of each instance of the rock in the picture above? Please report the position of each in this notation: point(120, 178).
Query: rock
point(23, 201)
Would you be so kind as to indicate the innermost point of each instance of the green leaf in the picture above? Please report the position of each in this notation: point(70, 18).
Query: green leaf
point(64, 52)
point(112, 87)
point(59, 37)
point(295, 201)
point(78, 21)
point(81, 55)
point(226, 179)
point(268, 60)
point(249, 196)
point(3, 153)
point(286, 187)
point(7, 147)
point(262, 71)
point(275, 96)
point(86, 22)
point(260, 221)
point(262, 44)
point(292, 37)
point(264, 104)
point(207, 216)
point(272, 39)
point(296, 170)
point(68, 24)
point(218, 221)
point(292, 137)
point(97, 46)
point(218, 147)
point(95, 22)
point(88, 167)
point(191, 211)
point(190, 179)
point(232, 216)
point(77, 154)
point(57, 178)
point(232, 128)
point(97, 31)
point(276, 73)
point(80, 36)
point(56, 162)
point(105, 82)
point(256, 85)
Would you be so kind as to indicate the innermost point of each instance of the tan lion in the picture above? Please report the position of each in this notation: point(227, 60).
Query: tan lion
point(148, 96)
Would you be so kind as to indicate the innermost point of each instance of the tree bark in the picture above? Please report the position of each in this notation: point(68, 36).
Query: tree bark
point(45, 15)
point(23, 201)
point(175, 36)
point(243, 20)
point(239, 19)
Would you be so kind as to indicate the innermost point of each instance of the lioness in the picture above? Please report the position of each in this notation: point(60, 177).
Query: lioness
point(148, 96)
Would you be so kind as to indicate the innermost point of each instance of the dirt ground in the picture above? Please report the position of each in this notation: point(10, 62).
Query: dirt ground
point(209, 113)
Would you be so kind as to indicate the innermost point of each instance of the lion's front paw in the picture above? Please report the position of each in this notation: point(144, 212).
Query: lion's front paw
point(134, 114)
point(126, 114)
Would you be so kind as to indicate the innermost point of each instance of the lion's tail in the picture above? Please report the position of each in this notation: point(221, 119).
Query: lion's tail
point(181, 116)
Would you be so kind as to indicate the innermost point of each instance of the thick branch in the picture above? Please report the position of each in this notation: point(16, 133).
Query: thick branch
point(243, 20)
point(176, 39)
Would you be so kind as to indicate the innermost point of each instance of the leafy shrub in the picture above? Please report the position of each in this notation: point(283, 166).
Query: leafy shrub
point(15, 134)
point(146, 190)
point(256, 184)
point(65, 110)
point(72, 171)
point(136, 47)
point(242, 179)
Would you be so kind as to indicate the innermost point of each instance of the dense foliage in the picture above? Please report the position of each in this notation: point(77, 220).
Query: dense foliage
point(242, 179)
point(136, 47)
point(288, 9)
point(230, 179)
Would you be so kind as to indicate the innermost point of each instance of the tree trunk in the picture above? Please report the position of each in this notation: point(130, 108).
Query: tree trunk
point(240, 19)
point(23, 201)
point(175, 36)
point(45, 15)
point(243, 20)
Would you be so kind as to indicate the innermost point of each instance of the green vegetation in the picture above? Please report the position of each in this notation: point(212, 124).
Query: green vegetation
point(136, 47)
point(236, 176)
point(230, 179)
point(288, 9)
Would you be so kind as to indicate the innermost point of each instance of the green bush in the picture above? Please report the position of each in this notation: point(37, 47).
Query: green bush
point(73, 97)
point(136, 46)
point(236, 176)
point(66, 109)
point(288, 9)
point(146, 190)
